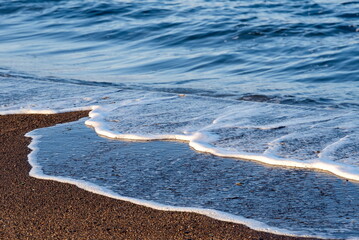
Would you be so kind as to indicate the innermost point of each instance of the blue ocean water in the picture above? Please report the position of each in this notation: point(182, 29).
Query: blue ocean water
point(302, 52)
point(275, 81)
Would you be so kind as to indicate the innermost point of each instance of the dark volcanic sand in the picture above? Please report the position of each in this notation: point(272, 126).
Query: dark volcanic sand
point(38, 209)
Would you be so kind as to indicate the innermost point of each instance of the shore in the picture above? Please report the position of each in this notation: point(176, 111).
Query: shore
point(39, 209)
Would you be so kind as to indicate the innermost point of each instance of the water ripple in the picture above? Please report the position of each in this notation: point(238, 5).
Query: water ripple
point(240, 47)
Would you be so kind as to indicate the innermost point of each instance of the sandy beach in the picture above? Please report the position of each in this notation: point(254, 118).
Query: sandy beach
point(40, 209)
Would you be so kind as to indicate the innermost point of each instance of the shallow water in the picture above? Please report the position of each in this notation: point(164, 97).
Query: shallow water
point(303, 201)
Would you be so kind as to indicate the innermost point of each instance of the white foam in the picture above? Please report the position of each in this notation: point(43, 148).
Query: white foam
point(203, 137)
point(98, 122)
point(36, 172)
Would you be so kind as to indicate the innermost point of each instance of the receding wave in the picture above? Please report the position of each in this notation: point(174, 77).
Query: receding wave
point(303, 202)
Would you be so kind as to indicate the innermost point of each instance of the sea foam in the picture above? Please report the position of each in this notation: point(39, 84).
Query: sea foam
point(274, 134)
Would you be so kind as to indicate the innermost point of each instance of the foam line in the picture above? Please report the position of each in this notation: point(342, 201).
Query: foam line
point(97, 116)
point(200, 142)
point(37, 172)
point(338, 169)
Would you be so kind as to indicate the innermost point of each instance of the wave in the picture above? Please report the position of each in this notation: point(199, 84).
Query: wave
point(277, 134)
point(269, 133)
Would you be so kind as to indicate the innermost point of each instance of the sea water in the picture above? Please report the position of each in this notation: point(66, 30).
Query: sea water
point(275, 82)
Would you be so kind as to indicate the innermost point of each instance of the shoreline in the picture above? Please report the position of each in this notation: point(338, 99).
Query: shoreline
point(35, 208)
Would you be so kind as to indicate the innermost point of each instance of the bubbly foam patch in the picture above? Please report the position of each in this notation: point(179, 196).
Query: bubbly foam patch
point(275, 134)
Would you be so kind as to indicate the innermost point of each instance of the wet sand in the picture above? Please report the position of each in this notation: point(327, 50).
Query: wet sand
point(39, 209)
